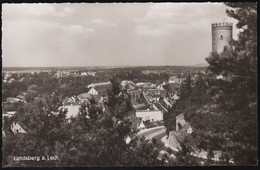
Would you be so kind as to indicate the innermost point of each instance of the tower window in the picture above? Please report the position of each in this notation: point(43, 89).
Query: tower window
point(221, 37)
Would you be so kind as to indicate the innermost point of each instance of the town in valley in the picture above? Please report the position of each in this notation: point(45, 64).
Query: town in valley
point(141, 114)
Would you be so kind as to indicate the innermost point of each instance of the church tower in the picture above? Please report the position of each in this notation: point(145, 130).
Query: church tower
point(221, 36)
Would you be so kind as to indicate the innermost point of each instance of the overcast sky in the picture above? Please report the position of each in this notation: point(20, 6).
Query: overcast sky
point(112, 34)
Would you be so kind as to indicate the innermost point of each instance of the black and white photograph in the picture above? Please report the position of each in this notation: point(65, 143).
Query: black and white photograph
point(129, 84)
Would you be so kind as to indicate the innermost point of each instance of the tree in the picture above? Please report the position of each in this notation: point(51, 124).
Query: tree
point(96, 137)
point(44, 122)
point(199, 93)
point(236, 92)
point(100, 140)
point(169, 120)
point(226, 108)
point(31, 93)
point(185, 88)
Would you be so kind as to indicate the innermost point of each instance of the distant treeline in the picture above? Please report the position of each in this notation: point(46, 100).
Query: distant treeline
point(107, 68)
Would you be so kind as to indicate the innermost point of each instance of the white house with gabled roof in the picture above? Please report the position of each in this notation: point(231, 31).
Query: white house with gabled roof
point(18, 127)
point(141, 126)
point(93, 91)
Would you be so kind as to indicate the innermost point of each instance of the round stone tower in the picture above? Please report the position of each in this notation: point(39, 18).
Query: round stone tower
point(221, 36)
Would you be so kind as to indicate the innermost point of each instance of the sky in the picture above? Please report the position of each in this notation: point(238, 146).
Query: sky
point(108, 34)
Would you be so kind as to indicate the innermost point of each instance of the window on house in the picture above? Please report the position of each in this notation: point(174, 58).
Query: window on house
point(221, 37)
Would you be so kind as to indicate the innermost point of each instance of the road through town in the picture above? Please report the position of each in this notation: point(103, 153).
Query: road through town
point(157, 133)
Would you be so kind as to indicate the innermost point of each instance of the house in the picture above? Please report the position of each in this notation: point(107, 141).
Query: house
point(174, 79)
point(93, 91)
point(71, 100)
point(13, 100)
point(85, 97)
point(139, 106)
point(135, 94)
point(138, 124)
point(189, 130)
point(149, 98)
point(171, 88)
point(61, 74)
point(7, 75)
point(156, 93)
point(18, 127)
point(74, 98)
point(11, 80)
point(101, 88)
point(175, 97)
point(127, 84)
point(72, 111)
point(137, 99)
point(167, 103)
point(8, 114)
point(22, 79)
point(140, 84)
point(21, 97)
point(160, 87)
point(150, 124)
point(159, 107)
point(127, 139)
point(220, 77)
point(102, 91)
point(68, 101)
point(141, 126)
point(145, 99)
point(83, 74)
point(152, 115)
point(145, 85)
point(90, 73)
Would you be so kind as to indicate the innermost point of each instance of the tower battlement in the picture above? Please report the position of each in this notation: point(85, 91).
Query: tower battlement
point(222, 24)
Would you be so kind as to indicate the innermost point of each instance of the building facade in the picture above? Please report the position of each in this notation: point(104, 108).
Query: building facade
point(152, 115)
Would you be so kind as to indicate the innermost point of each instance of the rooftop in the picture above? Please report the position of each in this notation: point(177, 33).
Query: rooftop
point(72, 111)
point(99, 84)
